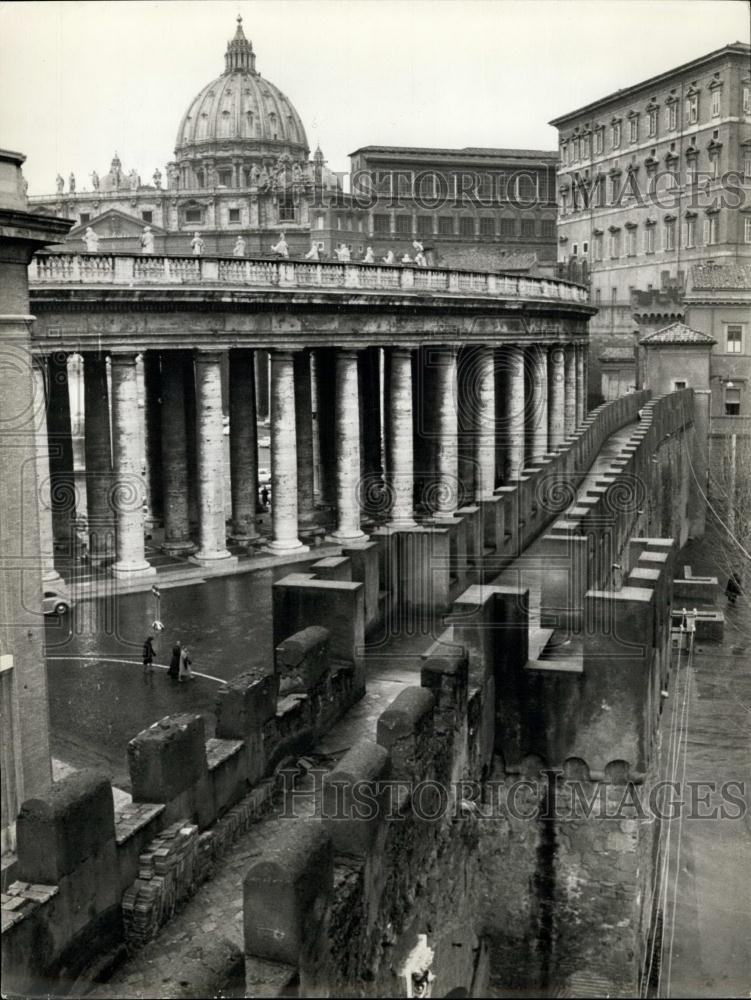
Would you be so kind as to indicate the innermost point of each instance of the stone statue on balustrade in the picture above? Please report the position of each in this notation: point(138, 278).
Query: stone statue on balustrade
point(389, 258)
point(133, 180)
point(72, 183)
point(406, 259)
point(296, 173)
point(342, 252)
point(263, 178)
point(255, 175)
point(419, 254)
point(197, 244)
point(369, 257)
point(239, 248)
point(95, 180)
point(91, 240)
point(173, 176)
point(282, 247)
point(157, 178)
point(313, 253)
point(147, 240)
point(60, 184)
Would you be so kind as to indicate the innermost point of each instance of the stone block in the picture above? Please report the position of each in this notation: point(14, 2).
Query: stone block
point(60, 830)
point(245, 703)
point(303, 659)
point(287, 894)
point(446, 677)
point(405, 729)
point(352, 799)
point(167, 758)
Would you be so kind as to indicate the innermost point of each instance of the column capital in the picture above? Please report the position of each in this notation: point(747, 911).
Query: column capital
point(208, 355)
point(123, 357)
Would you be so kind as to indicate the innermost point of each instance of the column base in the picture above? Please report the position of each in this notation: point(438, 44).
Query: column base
point(286, 546)
point(210, 558)
point(51, 578)
point(184, 548)
point(401, 524)
point(245, 541)
point(344, 537)
point(128, 570)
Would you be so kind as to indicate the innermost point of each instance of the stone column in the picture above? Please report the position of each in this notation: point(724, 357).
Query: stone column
point(501, 383)
point(243, 445)
point(556, 388)
point(304, 437)
point(401, 443)
point(581, 382)
point(348, 447)
point(515, 410)
point(128, 491)
point(447, 492)
point(482, 400)
point(60, 436)
point(262, 362)
point(570, 401)
point(175, 489)
point(152, 400)
point(283, 455)
point(538, 403)
point(50, 576)
point(191, 441)
point(325, 365)
point(212, 527)
point(98, 452)
point(370, 408)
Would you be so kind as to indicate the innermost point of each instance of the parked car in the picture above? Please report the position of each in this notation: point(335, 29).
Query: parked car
point(54, 603)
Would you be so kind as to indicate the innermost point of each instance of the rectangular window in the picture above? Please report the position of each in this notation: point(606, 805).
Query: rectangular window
point(672, 116)
point(487, 226)
point(575, 249)
point(585, 147)
point(690, 232)
point(669, 236)
point(649, 239)
point(734, 339)
point(528, 228)
point(404, 225)
point(747, 98)
point(466, 226)
point(716, 103)
point(446, 225)
point(425, 225)
point(616, 135)
point(547, 228)
point(615, 244)
point(234, 215)
point(147, 216)
point(599, 140)
point(577, 149)
point(634, 130)
point(380, 223)
point(585, 247)
point(747, 229)
point(286, 210)
point(598, 296)
point(508, 227)
point(192, 214)
point(732, 402)
point(564, 154)
point(598, 247)
point(711, 230)
point(679, 384)
point(692, 109)
point(747, 165)
point(85, 216)
point(631, 238)
point(653, 123)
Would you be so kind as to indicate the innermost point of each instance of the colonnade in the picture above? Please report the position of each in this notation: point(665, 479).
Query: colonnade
point(392, 435)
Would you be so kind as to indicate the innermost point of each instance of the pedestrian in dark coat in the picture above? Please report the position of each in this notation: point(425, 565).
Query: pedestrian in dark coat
point(148, 655)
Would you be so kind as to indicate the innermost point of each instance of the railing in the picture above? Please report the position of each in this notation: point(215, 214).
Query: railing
point(155, 269)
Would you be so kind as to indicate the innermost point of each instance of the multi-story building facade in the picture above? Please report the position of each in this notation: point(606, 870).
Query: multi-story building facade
point(468, 207)
point(654, 180)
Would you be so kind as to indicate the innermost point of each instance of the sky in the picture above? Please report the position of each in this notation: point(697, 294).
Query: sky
point(81, 80)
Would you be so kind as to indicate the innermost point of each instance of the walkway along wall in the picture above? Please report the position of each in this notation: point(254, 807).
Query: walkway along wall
point(426, 884)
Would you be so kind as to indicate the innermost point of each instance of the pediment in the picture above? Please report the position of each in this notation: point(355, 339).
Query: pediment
point(114, 224)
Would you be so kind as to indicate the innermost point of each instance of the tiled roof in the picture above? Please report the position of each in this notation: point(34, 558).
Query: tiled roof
point(721, 276)
point(677, 333)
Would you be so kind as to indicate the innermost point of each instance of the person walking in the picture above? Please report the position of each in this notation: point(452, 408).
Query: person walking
point(185, 662)
point(148, 655)
point(174, 663)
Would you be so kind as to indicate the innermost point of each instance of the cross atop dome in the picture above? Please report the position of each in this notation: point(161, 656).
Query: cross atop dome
point(239, 56)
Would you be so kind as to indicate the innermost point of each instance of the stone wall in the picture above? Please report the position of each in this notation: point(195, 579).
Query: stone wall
point(89, 879)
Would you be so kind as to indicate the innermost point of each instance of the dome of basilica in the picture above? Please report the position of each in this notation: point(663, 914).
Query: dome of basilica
point(241, 107)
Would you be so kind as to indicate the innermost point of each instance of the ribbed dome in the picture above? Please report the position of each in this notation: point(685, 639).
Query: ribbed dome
point(240, 106)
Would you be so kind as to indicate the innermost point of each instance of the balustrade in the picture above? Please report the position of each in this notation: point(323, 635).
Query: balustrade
point(64, 268)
